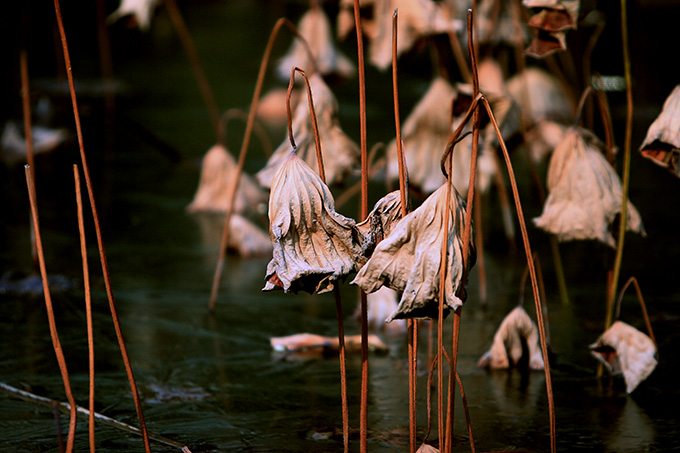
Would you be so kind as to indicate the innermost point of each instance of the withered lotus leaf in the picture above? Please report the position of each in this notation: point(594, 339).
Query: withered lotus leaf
point(380, 305)
point(540, 97)
point(585, 192)
point(624, 349)
point(427, 448)
point(507, 348)
point(408, 260)
point(378, 224)
point(341, 154)
point(315, 28)
point(662, 143)
point(218, 170)
point(313, 245)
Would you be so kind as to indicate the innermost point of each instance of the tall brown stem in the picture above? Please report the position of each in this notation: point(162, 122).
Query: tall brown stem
point(100, 241)
point(88, 302)
point(56, 344)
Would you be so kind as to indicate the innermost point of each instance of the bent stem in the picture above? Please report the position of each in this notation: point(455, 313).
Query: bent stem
point(623, 218)
point(257, 128)
point(56, 344)
point(643, 306)
point(88, 302)
point(100, 241)
point(532, 274)
point(233, 187)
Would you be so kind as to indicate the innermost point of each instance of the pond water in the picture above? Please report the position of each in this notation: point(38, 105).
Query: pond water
point(211, 380)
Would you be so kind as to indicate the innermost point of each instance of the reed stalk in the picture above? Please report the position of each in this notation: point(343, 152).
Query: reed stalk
point(100, 241)
point(56, 344)
point(233, 187)
point(88, 304)
point(363, 412)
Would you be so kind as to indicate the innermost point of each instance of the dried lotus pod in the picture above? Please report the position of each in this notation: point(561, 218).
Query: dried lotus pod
point(218, 169)
point(315, 28)
point(624, 349)
point(313, 245)
point(662, 143)
point(585, 192)
point(516, 329)
point(341, 154)
point(408, 260)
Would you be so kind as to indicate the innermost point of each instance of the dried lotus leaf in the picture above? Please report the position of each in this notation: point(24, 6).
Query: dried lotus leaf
point(662, 143)
point(313, 244)
point(218, 169)
point(516, 329)
point(341, 154)
point(315, 28)
point(378, 224)
point(408, 260)
point(624, 349)
point(540, 97)
point(585, 192)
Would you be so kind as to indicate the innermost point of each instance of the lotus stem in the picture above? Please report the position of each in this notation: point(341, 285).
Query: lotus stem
point(363, 414)
point(412, 324)
point(26, 103)
point(623, 218)
point(100, 241)
point(643, 306)
point(343, 369)
point(88, 303)
point(532, 274)
point(56, 344)
point(195, 61)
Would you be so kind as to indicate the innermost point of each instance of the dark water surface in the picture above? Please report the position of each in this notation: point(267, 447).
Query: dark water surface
point(211, 380)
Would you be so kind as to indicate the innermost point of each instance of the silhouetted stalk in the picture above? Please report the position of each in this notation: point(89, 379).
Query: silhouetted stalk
point(467, 229)
point(643, 306)
point(26, 102)
point(623, 218)
point(57, 426)
point(195, 61)
point(88, 302)
point(363, 414)
point(532, 274)
point(412, 325)
point(66, 407)
point(460, 58)
point(233, 187)
point(100, 242)
point(56, 344)
point(257, 128)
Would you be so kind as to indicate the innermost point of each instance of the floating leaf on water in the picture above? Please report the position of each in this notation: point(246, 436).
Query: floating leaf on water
point(313, 244)
point(624, 349)
point(408, 260)
point(516, 329)
point(315, 28)
point(340, 153)
point(309, 342)
point(218, 170)
point(662, 143)
point(585, 192)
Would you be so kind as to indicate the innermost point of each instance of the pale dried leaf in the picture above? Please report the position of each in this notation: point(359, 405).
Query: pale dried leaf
point(425, 448)
point(546, 43)
point(380, 305)
point(315, 28)
point(585, 192)
point(140, 10)
point(313, 244)
point(543, 138)
point(624, 349)
point(662, 143)
point(218, 170)
point(506, 351)
point(540, 96)
point(408, 260)
point(13, 142)
point(499, 23)
point(417, 19)
point(247, 238)
point(378, 224)
point(309, 341)
point(340, 153)
point(570, 8)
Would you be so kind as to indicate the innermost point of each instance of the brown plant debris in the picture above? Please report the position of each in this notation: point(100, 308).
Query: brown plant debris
point(585, 192)
point(340, 153)
point(625, 350)
point(662, 143)
point(551, 21)
point(408, 260)
point(516, 329)
point(313, 245)
point(218, 170)
point(311, 343)
point(315, 28)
